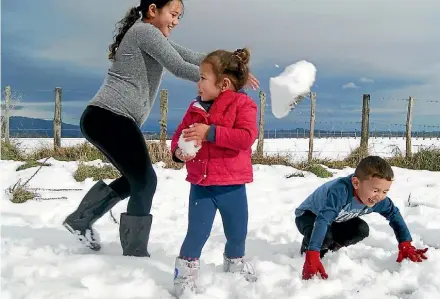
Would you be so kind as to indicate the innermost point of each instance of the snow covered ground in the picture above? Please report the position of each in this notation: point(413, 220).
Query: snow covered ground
point(39, 259)
point(297, 148)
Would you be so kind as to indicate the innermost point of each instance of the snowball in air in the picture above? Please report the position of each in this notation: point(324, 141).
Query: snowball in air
point(285, 89)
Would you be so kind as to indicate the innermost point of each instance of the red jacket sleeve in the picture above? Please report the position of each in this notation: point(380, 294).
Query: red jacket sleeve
point(184, 124)
point(244, 133)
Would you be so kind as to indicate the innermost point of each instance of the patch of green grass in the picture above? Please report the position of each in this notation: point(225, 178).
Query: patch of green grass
point(297, 174)
point(20, 193)
point(355, 157)
point(158, 153)
point(316, 169)
point(96, 172)
point(278, 159)
point(30, 164)
point(424, 159)
point(352, 160)
point(11, 151)
point(80, 152)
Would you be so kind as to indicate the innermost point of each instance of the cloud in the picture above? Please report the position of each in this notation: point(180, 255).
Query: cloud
point(366, 80)
point(84, 44)
point(50, 105)
point(45, 110)
point(397, 41)
point(396, 109)
point(349, 85)
point(356, 37)
point(32, 113)
point(359, 33)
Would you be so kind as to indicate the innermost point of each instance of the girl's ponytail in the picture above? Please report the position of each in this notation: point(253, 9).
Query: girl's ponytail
point(130, 18)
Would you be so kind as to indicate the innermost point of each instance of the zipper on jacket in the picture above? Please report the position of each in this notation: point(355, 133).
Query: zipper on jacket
point(205, 114)
point(205, 167)
point(206, 164)
point(207, 160)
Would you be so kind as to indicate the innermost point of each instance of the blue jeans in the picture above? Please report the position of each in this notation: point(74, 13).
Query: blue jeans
point(204, 201)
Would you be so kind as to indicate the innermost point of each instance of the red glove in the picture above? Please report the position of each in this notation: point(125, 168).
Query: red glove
point(406, 250)
point(313, 265)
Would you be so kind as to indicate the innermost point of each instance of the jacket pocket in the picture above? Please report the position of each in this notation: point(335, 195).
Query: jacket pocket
point(196, 168)
point(230, 153)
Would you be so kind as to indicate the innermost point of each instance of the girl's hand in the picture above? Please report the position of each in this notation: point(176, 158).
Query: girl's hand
point(198, 132)
point(252, 82)
point(183, 157)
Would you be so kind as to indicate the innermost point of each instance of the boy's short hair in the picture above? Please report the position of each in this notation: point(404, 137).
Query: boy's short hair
point(374, 167)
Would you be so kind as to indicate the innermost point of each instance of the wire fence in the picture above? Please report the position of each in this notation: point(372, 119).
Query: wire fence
point(373, 117)
point(395, 131)
point(296, 149)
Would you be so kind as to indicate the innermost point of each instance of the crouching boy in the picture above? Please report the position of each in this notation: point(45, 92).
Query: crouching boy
point(329, 217)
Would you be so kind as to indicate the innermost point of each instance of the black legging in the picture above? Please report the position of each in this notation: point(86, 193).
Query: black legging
point(122, 142)
point(344, 234)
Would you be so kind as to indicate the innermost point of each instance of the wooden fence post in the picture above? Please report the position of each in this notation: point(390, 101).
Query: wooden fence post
point(408, 127)
point(365, 123)
point(57, 119)
point(260, 143)
point(312, 124)
point(6, 115)
point(163, 118)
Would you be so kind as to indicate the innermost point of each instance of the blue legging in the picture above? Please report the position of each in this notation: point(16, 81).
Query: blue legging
point(204, 201)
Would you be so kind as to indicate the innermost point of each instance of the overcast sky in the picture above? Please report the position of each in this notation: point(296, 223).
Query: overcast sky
point(389, 49)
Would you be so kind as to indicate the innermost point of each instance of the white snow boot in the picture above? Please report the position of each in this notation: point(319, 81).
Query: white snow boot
point(185, 276)
point(239, 265)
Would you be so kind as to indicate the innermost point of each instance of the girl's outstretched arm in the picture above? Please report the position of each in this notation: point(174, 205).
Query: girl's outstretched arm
point(188, 55)
point(153, 42)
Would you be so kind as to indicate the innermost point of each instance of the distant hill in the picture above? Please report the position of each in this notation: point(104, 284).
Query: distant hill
point(40, 128)
point(20, 126)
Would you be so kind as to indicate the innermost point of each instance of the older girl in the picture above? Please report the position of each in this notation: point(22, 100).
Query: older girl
point(112, 120)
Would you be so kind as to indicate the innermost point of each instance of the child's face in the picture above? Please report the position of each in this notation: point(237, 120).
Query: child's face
point(166, 18)
point(207, 85)
point(372, 190)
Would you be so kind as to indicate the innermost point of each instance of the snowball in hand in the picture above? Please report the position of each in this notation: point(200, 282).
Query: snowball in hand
point(286, 89)
point(188, 147)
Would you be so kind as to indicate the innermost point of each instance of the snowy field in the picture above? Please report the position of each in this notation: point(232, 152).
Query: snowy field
point(297, 148)
point(41, 260)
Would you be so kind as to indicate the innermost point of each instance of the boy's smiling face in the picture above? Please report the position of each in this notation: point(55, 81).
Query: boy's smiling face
point(371, 190)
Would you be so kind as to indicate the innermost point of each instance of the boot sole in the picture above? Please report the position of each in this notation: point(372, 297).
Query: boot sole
point(82, 239)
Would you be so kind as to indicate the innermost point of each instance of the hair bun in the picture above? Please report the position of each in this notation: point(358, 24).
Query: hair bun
point(243, 55)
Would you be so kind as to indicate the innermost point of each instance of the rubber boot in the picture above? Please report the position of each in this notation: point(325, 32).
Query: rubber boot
point(134, 232)
point(98, 201)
